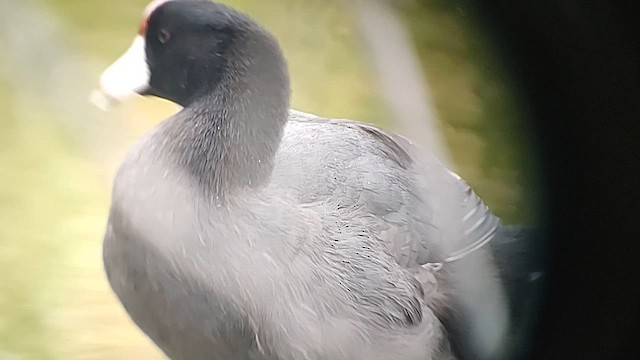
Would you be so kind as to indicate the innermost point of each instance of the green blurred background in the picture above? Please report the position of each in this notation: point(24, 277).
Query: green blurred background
point(58, 154)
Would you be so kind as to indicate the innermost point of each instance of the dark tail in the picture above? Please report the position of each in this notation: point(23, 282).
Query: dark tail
point(519, 254)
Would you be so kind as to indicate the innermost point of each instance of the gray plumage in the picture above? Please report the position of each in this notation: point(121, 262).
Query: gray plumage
point(242, 230)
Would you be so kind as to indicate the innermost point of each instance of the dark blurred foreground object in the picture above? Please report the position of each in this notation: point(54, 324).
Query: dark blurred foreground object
point(579, 66)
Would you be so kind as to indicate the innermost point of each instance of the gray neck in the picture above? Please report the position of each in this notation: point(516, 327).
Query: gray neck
point(227, 139)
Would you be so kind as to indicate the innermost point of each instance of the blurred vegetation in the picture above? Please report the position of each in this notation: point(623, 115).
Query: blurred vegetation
point(58, 155)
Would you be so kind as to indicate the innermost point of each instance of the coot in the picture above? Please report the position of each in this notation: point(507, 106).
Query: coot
point(241, 229)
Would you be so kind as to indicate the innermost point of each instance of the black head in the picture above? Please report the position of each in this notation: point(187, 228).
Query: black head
point(187, 48)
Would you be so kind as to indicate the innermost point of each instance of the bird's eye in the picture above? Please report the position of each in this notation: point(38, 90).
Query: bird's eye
point(163, 36)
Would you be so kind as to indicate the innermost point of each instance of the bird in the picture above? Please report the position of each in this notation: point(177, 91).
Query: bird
point(240, 228)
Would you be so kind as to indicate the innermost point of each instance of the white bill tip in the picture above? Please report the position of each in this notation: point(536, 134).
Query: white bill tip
point(125, 78)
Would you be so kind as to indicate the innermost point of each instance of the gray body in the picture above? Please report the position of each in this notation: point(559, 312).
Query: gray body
point(323, 263)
